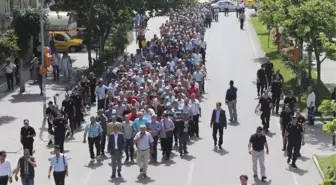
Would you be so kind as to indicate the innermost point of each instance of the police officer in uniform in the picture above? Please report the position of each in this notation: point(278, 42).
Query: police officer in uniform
point(68, 107)
point(276, 89)
point(102, 120)
point(92, 84)
point(294, 134)
point(285, 119)
point(269, 70)
point(51, 115)
point(290, 100)
point(61, 126)
point(265, 105)
point(261, 81)
point(77, 98)
point(302, 121)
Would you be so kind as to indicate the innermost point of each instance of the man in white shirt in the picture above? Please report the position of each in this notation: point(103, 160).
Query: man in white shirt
point(216, 12)
point(58, 163)
point(9, 70)
point(311, 105)
point(6, 172)
point(203, 46)
point(100, 92)
point(196, 113)
point(226, 9)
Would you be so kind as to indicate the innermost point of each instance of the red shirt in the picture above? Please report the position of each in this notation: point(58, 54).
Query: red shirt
point(129, 99)
point(193, 90)
point(172, 84)
point(132, 116)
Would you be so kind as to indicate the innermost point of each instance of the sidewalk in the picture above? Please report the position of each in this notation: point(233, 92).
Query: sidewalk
point(15, 107)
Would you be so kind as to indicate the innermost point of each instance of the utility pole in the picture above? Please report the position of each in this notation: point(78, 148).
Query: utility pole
point(44, 78)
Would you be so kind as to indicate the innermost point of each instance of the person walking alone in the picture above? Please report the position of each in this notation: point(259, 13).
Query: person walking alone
point(242, 20)
point(218, 123)
point(256, 147)
point(231, 102)
point(116, 143)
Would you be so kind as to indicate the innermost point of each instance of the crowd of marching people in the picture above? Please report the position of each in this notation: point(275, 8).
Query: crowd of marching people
point(153, 98)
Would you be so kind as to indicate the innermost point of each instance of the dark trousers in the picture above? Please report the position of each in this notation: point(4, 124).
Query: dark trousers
point(261, 87)
point(59, 178)
point(129, 148)
point(155, 143)
point(226, 11)
point(101, 104)
point(28, 145)
point(10, 81)
point(183, 139)
point(17, 76)
point(265, 119)
point(269, 79)
point(94, 142)
point(3, 180)
point(216, 18)
point(102, 144)
point(293, 149)
point(71, 122)
point(203, 53)
point(176, 134)
point(195, 128)
point(56, 72)
point(276, 102)
point(241, 24)
point(59, 140)
point(208, 22)
point(167, 145)
point(93, 97)
point(238, 12)
point(217, 128)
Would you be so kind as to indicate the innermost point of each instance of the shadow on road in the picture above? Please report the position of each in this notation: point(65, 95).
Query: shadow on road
point(25, 98)
point(314, 135)
point(220, 151)
point(259, 182)
point(6, 119)
point(118, 181)
point(142, 180)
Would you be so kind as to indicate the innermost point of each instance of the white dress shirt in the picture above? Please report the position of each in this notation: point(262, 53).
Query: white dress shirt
point(195, 107)
point(6, 168)
point(115, 141)
point(100, 91)
point(59, 163)
point(10, 68)
point(311, 99)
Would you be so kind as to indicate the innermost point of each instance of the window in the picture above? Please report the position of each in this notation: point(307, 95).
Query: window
point(221, 3)
point(59, 37)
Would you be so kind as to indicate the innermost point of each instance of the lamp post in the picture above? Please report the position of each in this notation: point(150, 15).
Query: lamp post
point(42, 60)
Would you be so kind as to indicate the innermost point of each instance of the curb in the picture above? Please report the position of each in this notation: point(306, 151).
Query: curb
point(318, 166)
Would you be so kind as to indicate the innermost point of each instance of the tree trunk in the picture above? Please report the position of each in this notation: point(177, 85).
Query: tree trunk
point(89, 47)
point(318, 70)
point(22, 81)
point(310, 66)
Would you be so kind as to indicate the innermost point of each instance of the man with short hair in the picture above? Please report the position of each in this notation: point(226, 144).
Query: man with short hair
point(25, 166)
point(231, 101)
point(27, 136)
point(94, 133)
point(218, 123)
point(6, 172)
point(58, 163)
point(144, 142)
point(115, 147)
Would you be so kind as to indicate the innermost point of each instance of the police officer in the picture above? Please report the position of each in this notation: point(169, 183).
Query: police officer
point(27, 136)
point(269, 70)
point(61, 126)
point(294, 134)
point(302, 121)
point(290, 100)
point(265, 105)
point(77, 98)
point(276, 89)
point(261, 81)
point(68, 107)
point(285, 119)
point(51, 114)
point(102, 120)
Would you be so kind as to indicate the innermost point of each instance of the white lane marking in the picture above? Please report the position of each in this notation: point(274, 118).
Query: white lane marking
point(88, 176)
point(190, 174)
point(256, 55)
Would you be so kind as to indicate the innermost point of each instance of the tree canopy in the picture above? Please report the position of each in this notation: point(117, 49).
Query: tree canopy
point(8, 45)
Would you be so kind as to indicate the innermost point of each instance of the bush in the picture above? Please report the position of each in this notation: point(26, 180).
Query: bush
point(8, 45)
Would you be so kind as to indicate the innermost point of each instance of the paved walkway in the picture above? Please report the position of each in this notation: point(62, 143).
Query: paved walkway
point(15, 107)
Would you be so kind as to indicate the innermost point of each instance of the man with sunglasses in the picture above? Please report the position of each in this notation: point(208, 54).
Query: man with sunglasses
point(6, 172)
point(25, 166)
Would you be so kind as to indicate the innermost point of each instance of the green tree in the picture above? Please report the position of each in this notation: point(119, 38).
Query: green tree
point(26, 23)
point(8, 45)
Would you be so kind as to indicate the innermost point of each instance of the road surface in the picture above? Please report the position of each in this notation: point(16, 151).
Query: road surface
point(231, 55)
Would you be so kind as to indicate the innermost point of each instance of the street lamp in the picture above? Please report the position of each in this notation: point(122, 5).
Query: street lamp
point(42, 60)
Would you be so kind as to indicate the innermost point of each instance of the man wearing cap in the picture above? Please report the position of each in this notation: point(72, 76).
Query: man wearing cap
point(116, 143)
point(144, 141)
point(27, 136)
point(231, 101)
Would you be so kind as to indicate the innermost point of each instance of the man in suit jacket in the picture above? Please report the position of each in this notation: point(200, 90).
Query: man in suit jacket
point(218, 123)
point(115, 147)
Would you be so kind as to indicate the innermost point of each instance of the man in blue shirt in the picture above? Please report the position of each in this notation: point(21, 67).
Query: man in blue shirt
point(94, 132)
point(140, 121)
point(231, 102)
point(154, 130)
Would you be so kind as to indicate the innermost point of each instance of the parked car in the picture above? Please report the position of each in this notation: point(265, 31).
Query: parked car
point(221, 4)
point(65, 42)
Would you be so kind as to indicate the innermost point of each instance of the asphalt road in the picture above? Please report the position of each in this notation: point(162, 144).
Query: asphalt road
point(232, 54)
